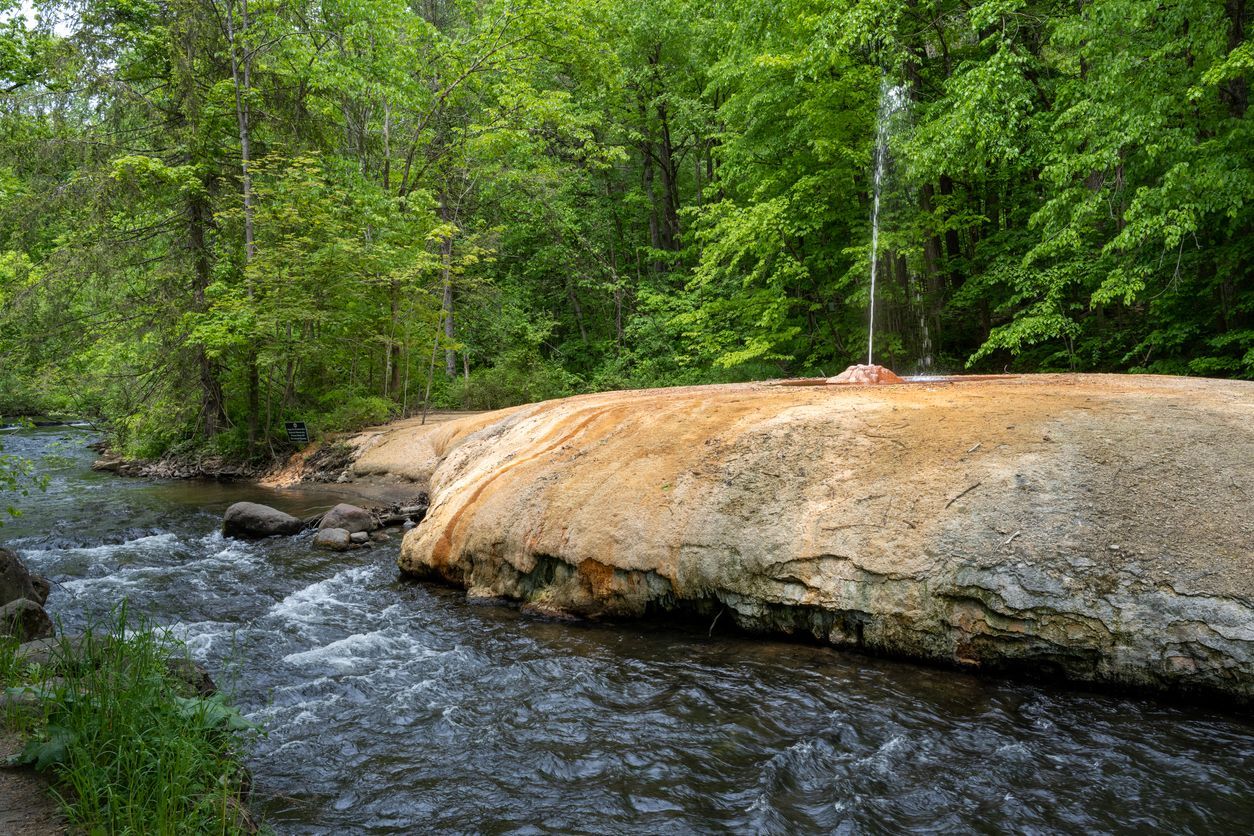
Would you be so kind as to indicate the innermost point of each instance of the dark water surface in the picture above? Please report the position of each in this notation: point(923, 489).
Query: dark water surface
point(396, 708)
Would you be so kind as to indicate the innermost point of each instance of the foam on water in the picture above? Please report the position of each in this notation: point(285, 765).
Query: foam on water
point(325, 600)
point(361, 651)
point(104, 552)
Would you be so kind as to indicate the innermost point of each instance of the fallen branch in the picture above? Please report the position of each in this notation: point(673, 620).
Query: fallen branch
point(961, 495)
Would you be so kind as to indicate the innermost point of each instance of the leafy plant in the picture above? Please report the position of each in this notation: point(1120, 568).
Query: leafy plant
point(131, 747)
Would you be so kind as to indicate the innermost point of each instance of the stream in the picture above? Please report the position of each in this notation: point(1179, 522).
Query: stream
point(394, 707)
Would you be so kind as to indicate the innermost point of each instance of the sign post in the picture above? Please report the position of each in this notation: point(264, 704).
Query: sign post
point(297, 432)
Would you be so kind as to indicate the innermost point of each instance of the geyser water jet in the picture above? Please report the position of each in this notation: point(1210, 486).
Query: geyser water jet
point(892, 99)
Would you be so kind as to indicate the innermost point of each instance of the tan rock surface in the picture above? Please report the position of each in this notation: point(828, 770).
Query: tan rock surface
point(1095, 527)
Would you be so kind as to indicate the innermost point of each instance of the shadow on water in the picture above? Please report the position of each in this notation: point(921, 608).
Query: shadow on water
point(393, 707)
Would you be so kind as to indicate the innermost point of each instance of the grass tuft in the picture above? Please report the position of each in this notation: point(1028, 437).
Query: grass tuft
point(131, 747)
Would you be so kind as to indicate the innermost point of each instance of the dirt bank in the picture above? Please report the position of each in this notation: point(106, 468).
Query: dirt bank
point(387, 462)
point(27, 807)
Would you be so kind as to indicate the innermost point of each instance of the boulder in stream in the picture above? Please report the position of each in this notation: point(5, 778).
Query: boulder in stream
point(16, 580)
point(252, 520)
point(335, 539)
point(25, 619)
point(1094, 528)
point(348, 517)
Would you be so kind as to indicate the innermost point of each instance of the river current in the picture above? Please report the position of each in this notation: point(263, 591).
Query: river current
point(393, 707)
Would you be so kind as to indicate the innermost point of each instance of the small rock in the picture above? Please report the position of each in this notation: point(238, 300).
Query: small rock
point(191, 674)
point(43, 588)
point(48, 651)
point(335, 539)
point(252, 520)
point(359, 537)
point(548, 612)
point(109, 464)
point(483, 596)
point(348, 517)
point(408, 524)
point(25, 619)
point(380, 536)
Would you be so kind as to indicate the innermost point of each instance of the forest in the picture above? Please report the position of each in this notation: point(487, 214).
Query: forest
point(220, 215)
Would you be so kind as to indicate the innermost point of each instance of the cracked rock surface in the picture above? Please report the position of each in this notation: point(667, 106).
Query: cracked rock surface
point(1098, 528)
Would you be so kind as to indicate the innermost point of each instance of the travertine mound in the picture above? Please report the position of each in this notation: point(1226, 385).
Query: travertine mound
point(863, 374)
point(1095, 527)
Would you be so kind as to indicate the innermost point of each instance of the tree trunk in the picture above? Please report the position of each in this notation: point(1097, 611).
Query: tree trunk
point(1235, 93)
point(952, 246)
point(212, 412)
point(446, 303)
point(394, 346)
point(670, 184)
point(241, 76)
point(577, 309)
point(646, 185)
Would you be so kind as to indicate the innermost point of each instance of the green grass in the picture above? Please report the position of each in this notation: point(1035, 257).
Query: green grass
point(129, 746)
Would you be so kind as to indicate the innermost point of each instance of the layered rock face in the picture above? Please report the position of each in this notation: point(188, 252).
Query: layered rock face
point(1098, 528)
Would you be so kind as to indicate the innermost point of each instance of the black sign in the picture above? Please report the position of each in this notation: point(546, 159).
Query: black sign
point(297, 432)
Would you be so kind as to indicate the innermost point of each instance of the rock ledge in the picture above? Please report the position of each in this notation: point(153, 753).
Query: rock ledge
point(1095, 528)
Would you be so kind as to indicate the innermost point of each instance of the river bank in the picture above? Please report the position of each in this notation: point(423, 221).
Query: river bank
point(111, 728)
point(343, 460)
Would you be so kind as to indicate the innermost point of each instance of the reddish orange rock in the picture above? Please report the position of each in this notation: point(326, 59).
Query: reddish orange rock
point(1096, 528)
point(866, 375)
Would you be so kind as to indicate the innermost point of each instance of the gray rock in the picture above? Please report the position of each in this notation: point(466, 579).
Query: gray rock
point(252, 520)
point(335, 539)
point(43, 652)
point(348, 517)
point(25, 619)
point(192, 675)
point(43, 587)
point(15, 579)
point(359, 537)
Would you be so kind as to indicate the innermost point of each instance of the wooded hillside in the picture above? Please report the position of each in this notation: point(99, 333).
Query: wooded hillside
point(217, 215)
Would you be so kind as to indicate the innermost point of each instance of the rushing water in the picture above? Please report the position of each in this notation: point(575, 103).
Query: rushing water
point(393, 707)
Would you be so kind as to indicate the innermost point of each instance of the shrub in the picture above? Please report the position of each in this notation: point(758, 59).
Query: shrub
point(524, 377)
point(346, 410)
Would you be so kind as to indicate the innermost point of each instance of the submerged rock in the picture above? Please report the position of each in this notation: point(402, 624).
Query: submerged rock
point(968, 523)
point(348, 517)
point(253, 520)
